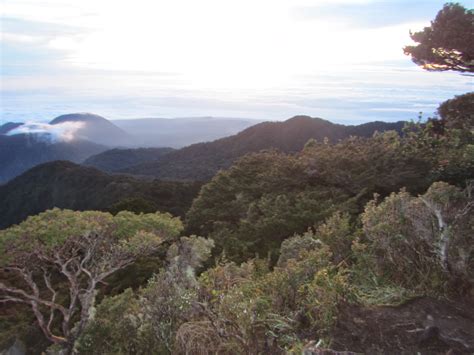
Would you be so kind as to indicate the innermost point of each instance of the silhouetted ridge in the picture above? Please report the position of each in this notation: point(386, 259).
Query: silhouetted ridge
point(21, 152)
point(9, 126)
point(96, 129)
point(201, 161)
point(78, 117)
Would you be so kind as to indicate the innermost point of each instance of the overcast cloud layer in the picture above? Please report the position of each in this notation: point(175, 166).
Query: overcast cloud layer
point(269, 59)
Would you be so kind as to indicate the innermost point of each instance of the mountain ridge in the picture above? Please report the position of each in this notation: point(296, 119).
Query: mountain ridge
point(97, 129)
point(9, 126)
point(201, 161)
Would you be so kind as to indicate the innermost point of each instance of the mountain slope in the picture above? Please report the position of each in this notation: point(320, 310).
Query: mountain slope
point(118, 159)
point(9, 126)
point(67, 185)
point(61, 139)
point(96, 129)
point(20, 152)
point(201, 161)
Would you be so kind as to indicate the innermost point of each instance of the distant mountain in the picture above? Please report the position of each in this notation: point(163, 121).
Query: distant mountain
point(96, 129)
point(201, 161)
point(9, 126)
point(67, 185)
point(73, 137)
point(20, 152)
point(180, 132)
point(119, 159)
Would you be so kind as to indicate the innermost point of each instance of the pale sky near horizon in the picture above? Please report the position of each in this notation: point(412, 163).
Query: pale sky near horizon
point(341, 60)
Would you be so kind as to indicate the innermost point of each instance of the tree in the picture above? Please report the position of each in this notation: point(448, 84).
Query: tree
point(458, 112)
point(145, 322)
point(448, 44)
point(59, 258)
point(262, 199)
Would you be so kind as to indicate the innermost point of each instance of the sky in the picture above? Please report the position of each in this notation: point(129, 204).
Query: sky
point(341, 60)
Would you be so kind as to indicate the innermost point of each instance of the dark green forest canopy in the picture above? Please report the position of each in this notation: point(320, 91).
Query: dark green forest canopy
point(266, 197)
point(115, 160)
point(67, 185)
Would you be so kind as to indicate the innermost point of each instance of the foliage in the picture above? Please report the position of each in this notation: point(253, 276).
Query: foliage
point(298, 238)
point(246, 309)
point(228, 309)
point(448, 43)
point(135, 205)
point(295, 247)
point(445, 144)
point(267, 197)
point(263, 199)
point(338, 234)
point(254, 308)
point(118, 328)
point(146, 322)
point(67, 185)
point(458, 113)
point(422, 242)
point(114, 160)
point(320, 299)
point(62, 256)
point(366, 165)
point(298, 241)
point(169, 296)
point(200, 162)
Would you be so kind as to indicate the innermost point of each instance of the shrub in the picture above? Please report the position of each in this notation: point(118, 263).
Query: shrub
point(422, 242)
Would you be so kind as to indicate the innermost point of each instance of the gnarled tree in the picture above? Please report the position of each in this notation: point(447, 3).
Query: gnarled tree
point(57, 260)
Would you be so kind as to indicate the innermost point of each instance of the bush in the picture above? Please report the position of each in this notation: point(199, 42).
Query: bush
point(422, 242)
point(119, 327)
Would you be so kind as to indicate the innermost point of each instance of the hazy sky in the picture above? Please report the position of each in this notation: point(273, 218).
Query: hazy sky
point(269, 59)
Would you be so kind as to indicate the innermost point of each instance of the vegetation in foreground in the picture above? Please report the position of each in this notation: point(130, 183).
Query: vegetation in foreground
point(294, 243)
point(363, 245)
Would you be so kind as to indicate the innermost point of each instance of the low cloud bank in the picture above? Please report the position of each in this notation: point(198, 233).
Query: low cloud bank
point(61, 132)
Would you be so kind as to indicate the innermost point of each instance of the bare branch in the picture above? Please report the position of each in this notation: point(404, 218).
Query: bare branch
point(47, 281)
point(5, 299)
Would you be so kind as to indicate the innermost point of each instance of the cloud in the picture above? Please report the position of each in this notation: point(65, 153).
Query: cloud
point(34, 28)
point(373, 14)
point(267, 59)
point(61, 132)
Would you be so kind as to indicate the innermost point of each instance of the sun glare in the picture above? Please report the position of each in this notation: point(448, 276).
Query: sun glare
point(215, 44)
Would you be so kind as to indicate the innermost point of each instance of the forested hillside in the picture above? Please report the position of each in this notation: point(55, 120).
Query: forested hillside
point(20, 152)
point(201, 161)
point(67, 185)
point(115, 160)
